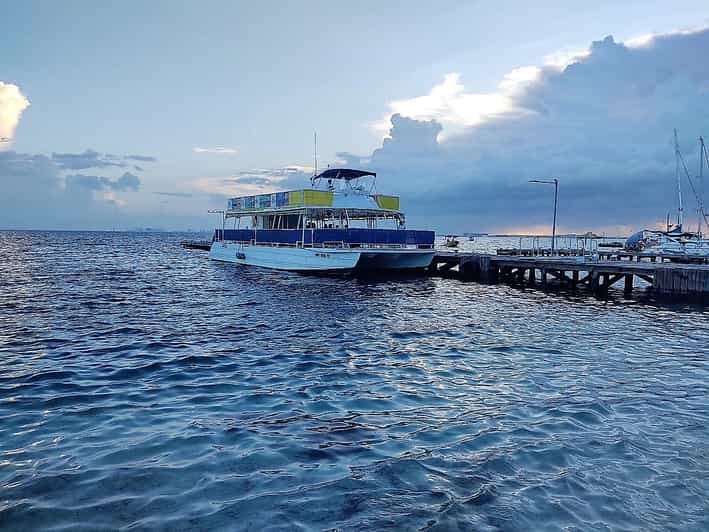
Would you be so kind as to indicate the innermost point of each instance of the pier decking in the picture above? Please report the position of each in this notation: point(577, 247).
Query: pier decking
point(603, 254)
point(683, 280)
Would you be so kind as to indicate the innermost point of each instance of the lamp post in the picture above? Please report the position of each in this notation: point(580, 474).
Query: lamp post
point(554, 182)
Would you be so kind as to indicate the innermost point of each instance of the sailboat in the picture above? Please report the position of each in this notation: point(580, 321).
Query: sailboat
point(676, 239)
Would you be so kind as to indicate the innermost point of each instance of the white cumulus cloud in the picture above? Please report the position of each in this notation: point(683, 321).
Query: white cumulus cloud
point(12, 103)
point(456, 109)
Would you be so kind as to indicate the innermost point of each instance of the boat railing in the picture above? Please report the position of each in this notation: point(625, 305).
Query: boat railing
point(336, 244)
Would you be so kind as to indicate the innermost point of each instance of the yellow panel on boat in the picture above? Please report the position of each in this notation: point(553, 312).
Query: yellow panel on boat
point(310, 197)
point(387, 202)
point(317, 197)
point(295, 197)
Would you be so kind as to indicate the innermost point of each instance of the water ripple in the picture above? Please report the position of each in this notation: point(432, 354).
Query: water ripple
point(144, 387)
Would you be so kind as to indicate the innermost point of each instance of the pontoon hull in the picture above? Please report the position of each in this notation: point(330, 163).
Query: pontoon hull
point(284, 258)
point(320, 259)
point(395, 259)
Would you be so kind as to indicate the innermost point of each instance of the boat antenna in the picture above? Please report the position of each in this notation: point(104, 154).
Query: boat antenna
point(680, 210)
point(315, 157)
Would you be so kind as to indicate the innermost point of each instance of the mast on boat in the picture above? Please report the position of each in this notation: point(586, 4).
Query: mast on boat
point(680, 210)
point(681, 166)
point(700, 185)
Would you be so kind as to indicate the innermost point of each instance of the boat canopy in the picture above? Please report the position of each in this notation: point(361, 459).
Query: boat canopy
point(343, 173)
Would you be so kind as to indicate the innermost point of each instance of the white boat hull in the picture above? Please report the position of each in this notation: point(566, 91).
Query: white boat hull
point(284, 258)
point(320, 259)
point(650, 242)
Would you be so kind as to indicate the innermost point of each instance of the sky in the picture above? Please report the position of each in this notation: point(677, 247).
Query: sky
point(148, 114)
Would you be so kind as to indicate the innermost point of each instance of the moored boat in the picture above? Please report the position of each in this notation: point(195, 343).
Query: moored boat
point(339, 224)
point(451, 241)
point(676, 240)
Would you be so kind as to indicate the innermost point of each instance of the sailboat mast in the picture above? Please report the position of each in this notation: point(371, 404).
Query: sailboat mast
point(700, 196)
point(700, 185)
point(680, 210)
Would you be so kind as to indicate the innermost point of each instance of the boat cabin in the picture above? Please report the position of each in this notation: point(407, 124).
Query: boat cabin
point(341, 209)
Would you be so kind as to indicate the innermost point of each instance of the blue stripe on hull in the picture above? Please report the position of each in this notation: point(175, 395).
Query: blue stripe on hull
point(355, 236)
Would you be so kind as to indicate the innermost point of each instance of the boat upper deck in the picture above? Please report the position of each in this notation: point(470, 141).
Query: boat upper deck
point(344, 189)
point(313, 199)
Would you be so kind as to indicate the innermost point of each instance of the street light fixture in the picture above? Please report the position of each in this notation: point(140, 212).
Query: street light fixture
point(554, 182)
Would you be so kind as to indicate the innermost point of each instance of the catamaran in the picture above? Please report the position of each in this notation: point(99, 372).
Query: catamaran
point(677, 240)
point(338, 224)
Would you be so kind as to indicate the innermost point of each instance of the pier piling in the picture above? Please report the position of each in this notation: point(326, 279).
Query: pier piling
point(571, 270)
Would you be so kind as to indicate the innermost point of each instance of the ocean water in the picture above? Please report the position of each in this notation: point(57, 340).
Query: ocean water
point(144, 387)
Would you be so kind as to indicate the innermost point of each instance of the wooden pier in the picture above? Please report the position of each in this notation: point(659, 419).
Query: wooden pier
point(571, 269)
point(204, 245)
point(603, 254)
point(690, 281)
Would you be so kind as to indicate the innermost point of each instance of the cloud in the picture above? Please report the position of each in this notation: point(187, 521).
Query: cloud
point(253, 180)
point(90, 182)
point(86, 159)
point(12, 104)
point(127, 182)
point(93, 159)
point(174, 194)
point(217, 149)
point(455, 109)
point(110, 197)
point(602, 123)
point(38, 192)
point(256, 181)
point(649, 38)
point(141, 158)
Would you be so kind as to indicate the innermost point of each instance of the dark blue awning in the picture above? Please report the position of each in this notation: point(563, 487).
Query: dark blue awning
point(343, 173)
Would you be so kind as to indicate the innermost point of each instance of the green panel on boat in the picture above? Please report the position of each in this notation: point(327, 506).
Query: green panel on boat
point(387, 202)
point(310, 197)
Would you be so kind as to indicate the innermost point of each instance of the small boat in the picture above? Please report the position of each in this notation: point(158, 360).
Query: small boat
point(335, 225)
point(676, 240)
point(451, 241)
point(673, 242)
